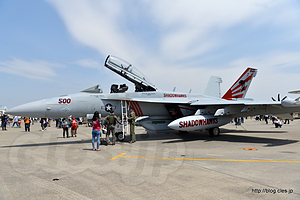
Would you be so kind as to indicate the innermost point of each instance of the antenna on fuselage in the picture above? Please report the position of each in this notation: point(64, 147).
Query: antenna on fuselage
point(190, 91)
point(174, 89)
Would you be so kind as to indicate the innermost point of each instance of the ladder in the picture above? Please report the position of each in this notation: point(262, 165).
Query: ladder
point(124, 118)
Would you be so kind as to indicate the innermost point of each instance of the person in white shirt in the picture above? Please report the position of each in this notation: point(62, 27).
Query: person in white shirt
point(277, 123)
point(16, 118)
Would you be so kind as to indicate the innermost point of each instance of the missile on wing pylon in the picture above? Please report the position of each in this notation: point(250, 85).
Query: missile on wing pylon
point(198, 122)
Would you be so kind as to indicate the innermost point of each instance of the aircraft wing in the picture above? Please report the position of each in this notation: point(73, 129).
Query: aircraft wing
point(154, 100)
point(215, 102)
point(198, 100)
point(285, 116)
point(191, 101)
point(258, 103)
point(233, 102)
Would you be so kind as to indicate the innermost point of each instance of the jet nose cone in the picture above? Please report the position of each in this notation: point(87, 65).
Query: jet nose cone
point(33, 109)
point(174, 125)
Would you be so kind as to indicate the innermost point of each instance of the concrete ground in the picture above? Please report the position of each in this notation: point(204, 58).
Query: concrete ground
point(251, 161)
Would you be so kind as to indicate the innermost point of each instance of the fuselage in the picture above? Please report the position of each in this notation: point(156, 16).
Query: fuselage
point(161, 108)
point(82, 103)
point(144, 104)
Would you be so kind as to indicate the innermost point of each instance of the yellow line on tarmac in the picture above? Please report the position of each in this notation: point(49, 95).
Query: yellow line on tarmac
point(121, 155)
point(202, 159)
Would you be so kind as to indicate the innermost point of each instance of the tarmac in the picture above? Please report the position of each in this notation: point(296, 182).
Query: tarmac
point(255, 160)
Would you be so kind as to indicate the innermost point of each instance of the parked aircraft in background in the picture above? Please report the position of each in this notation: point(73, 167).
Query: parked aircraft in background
point(295, 92)
point(160, 110)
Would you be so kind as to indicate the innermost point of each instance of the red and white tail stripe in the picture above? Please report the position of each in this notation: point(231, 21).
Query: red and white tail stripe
point(241, 86)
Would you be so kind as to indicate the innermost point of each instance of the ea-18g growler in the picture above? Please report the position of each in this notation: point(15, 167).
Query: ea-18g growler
point(157, 109)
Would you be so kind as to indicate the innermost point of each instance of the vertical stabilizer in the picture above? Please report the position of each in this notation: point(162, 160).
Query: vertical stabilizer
point(241, 86)
point(213, 87)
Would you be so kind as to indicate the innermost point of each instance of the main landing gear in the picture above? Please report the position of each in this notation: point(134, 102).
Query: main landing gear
point(120, 136)
point(214, 132)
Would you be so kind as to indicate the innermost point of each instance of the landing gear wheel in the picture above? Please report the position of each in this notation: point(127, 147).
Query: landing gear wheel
point(214, 131)
point(120, 136)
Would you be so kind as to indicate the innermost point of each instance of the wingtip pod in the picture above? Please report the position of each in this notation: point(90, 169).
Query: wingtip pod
point(240, 87)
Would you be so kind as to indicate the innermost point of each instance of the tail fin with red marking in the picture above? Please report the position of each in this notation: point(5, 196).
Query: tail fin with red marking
point(241, 86)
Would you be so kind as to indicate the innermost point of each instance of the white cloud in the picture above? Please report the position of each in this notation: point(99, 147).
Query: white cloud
point(89, 63)
point(196, 26)
point(36, 69)
point(185, 31)
point(96, 24)
point(271, 60)
point(276, 73)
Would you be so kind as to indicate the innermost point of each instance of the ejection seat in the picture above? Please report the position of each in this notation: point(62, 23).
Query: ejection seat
point(114, 88)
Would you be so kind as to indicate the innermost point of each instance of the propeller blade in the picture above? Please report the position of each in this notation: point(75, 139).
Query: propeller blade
point(273, 99)
point(278, 97)
point(283, 98)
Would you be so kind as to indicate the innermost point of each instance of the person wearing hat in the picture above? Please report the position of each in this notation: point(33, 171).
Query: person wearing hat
point(111, 121)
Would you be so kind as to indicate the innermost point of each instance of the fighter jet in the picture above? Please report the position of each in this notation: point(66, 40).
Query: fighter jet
point(157, 109)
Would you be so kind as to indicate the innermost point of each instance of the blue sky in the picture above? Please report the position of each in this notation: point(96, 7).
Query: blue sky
point(51, 48)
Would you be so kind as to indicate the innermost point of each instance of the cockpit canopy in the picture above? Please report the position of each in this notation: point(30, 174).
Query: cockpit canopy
point(94, 89)
point(131, 73)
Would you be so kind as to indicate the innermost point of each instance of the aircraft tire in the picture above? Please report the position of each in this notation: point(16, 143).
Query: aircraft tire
point(120, 136)
point(214, 131)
